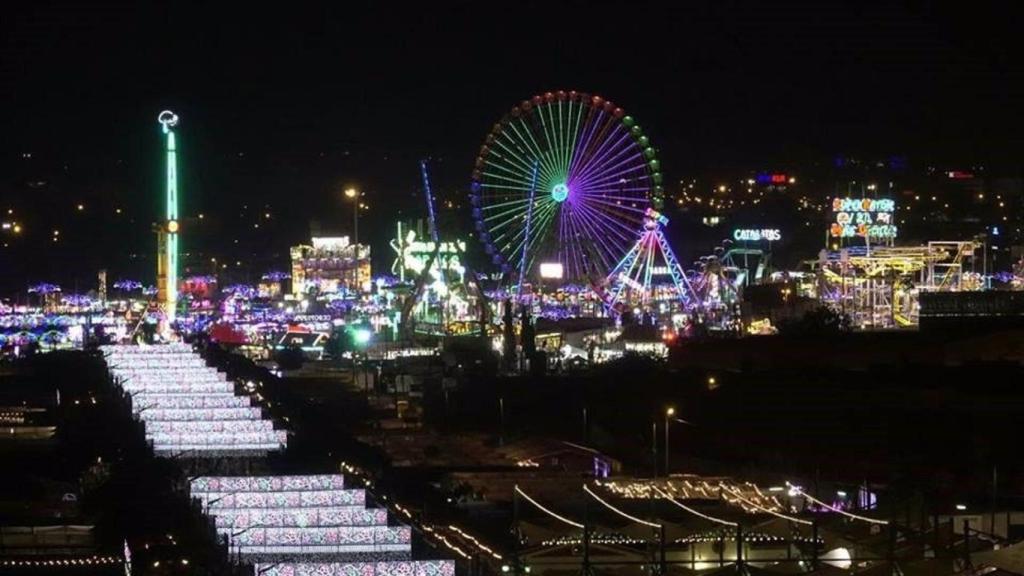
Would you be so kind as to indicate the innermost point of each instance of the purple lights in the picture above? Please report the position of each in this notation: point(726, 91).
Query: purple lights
point(596, 175)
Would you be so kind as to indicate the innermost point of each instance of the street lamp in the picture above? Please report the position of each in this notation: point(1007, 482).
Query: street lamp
point(669, 412)
point(353, 195)
point(670, 416)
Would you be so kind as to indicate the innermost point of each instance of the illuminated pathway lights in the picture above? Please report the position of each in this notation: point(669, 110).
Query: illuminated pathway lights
point(205, 427)
point(237, 518)
point(420, 568)
point(283, 499)
point(146, 401)
point(321, 540)
point(205, 484)
point(201, 414)
point(295, 515)
point(188, 407)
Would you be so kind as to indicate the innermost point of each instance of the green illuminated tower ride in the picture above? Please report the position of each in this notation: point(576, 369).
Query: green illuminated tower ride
point(167, 261)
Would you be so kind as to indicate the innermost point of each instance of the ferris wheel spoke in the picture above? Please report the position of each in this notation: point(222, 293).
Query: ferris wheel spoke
point(510, 165)
point(544, 229)
point(567, 129)
point(546, 169)
point(597, 197)
point(584, 142)
point(517, 201)
point(596, 241)
point(604, 222)
point(563, 139)
point(609, 222)
point(624, 175)
point(524, 166)
point(520, 184)
point(600, 159)
point(625, 207)
point(575, 131)
point(625, 163)
point(633, 213)
point(611, 191)
point(596, 129)
point(502, 221)
point(553, 127)
point(566, 231)
point(519, 153)
point(518, 239)
point(507, 173)
point(603, 135)
point(551, 137)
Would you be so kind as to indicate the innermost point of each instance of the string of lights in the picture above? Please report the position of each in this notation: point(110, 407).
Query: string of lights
point(429, 531)
point(692, 511)
point(475, 542)
point(619, 512)
point(752, 538)
point(690, 488)
point(433, 532)
point(595, 538)
point(766, 510)
point(519, 491)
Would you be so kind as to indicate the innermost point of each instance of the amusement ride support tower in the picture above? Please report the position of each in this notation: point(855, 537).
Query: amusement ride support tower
point(167, 233)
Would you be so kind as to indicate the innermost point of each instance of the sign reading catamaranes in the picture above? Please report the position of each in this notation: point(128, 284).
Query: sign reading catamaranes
point(756, 234)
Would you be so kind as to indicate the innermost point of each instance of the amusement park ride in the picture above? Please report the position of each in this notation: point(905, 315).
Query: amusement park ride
point(567, 187)
point(879, 286)
point(441, 276)
point(566, 199)
point(167, 231)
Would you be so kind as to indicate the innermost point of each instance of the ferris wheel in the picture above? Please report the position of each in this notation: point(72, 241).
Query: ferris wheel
point(562, 185)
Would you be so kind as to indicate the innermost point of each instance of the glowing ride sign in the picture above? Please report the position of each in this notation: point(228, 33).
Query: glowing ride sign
point(757, 235)
point(412, 255)
point(863, 217)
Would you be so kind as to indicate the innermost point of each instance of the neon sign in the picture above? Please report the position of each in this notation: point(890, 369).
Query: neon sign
point(772, 178)
point(412, 255)
point(756, 234)
point(863, 217)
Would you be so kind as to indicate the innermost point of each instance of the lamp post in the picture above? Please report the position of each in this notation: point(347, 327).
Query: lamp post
point(353, 195)
point(669, 412)
point(670, 416)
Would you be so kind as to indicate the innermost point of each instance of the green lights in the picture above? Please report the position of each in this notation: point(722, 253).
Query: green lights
point(361, 336)
point(168, 120)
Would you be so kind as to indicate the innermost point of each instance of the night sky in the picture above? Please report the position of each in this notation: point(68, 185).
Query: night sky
point(285, 107)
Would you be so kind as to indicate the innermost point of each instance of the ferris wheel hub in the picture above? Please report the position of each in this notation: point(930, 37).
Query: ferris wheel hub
point(560, 192)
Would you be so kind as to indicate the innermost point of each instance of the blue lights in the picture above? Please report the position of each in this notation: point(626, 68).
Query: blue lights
point(560, 192)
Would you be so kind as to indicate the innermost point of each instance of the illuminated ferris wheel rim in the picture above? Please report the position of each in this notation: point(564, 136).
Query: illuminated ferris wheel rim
point(590, 171)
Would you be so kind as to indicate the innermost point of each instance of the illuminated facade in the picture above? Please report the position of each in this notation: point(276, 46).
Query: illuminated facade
point(330, 265)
